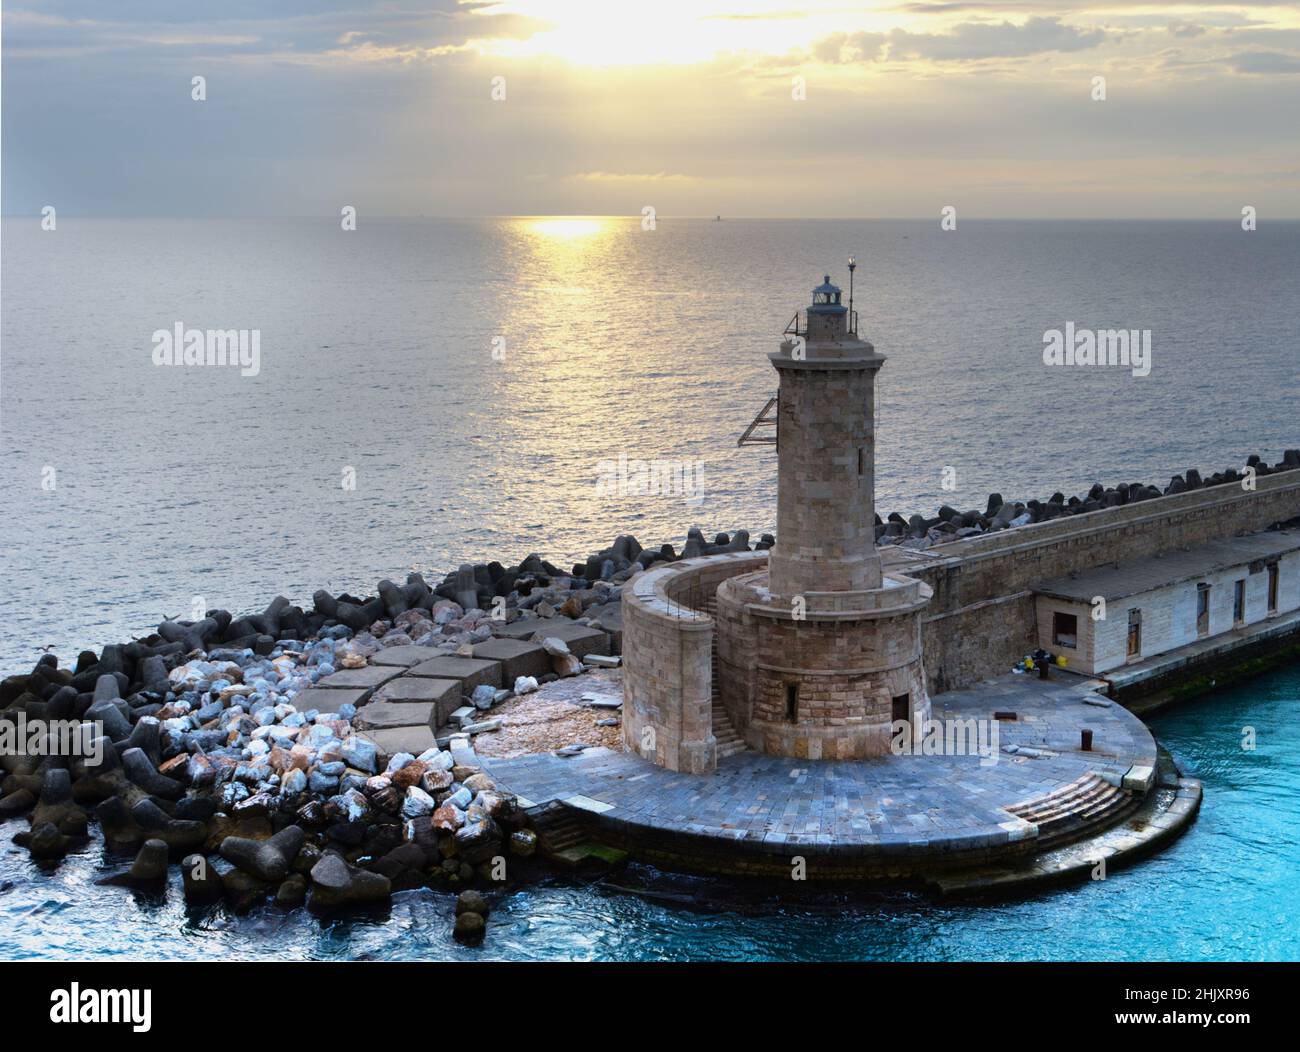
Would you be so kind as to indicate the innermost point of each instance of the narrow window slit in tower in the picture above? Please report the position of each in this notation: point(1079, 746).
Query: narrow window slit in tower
point(792, 702)
point(901, 708)
point(862, 461)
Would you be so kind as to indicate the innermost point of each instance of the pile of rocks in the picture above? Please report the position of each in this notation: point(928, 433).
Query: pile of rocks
point(215, 742)
point(219, 762)
point(198, 743)
point(949, 525)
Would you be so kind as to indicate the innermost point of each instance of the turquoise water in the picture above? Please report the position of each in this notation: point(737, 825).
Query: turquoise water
point(1227, 890)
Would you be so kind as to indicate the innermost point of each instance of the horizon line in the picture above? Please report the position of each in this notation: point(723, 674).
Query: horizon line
point(636, 217)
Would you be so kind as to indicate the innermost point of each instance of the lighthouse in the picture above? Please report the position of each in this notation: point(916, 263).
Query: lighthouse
point(826, 453)
point(820, 655)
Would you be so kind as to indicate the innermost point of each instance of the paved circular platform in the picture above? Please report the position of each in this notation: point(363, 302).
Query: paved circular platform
point(896, 816)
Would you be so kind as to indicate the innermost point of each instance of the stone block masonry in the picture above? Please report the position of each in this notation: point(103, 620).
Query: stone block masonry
point(668, 660)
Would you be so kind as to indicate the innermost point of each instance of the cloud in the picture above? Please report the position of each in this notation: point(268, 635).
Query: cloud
point(1068, 6)
point(297, 30)
point(632, 177)
point(1265, 62)
point(967, 42)
point(385, 104)
point(766, 16)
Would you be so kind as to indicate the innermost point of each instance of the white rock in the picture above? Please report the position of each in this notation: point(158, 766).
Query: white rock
point(417, 803)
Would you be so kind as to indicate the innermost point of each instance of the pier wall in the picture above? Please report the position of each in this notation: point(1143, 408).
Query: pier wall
point(981, 619)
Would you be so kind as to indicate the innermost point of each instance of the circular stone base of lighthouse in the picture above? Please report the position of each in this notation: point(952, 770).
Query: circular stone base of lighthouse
point(822, 676)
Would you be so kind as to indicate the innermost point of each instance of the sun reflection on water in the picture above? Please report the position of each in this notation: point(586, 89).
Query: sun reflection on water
point(566, 227)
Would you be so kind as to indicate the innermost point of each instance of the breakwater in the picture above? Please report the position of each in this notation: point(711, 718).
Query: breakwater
point(201, 754)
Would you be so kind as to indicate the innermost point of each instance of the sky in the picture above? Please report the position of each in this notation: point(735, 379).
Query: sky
point(692, 107)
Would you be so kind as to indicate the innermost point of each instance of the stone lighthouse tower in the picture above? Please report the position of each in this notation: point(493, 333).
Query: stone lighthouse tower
point(820, 654)
point(826, 447)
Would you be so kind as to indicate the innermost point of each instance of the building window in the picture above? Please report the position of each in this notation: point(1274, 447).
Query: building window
point(1135, 633)
point(1065, 630)
point(1202, 609)
point(1272, 588)
point(901, 708)
point(862, 461)
point(1239, 601)
point(792, 702)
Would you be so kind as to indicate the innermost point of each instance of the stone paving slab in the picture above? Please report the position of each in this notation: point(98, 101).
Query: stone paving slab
point(383, 715)
point(471, 672)
point(403, 657)
point(371, 676)
point(444, 695)
point(892, 805)
point(418, 688)
point(581, 639)
point(517, 658)
point(391, 741)
point(328, 700)
point(522, 629)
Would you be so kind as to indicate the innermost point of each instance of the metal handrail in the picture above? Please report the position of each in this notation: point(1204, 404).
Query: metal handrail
point(795, 328)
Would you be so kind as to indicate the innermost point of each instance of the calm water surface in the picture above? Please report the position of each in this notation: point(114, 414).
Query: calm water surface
point(1227, 890)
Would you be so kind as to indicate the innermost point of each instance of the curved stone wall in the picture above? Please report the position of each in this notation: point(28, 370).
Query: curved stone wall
point(668, 637)
point(821, 686)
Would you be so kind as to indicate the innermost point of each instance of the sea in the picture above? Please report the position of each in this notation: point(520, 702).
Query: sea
point(428, 392)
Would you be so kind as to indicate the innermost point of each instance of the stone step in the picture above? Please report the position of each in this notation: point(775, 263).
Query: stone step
point(403, 656)
point(557, 829)
point(725, 736)
point(443, 694)
point(392, 740)
point(1071, 812)
point(517, 657)
point(383, 715)
point(580, 639)
point(471, 672)
point(1081, 825)
point(1035, 807)
point(1066, 805)
point(328, 699)
point(576, 854)
point(368, 677)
